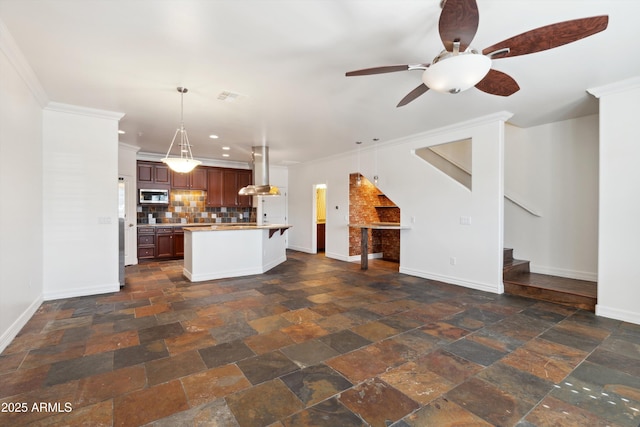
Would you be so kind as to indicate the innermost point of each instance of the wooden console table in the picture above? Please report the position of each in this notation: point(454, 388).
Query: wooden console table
point(364, 237)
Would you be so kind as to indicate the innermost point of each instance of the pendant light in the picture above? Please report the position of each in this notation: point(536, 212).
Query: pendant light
point(185, 163)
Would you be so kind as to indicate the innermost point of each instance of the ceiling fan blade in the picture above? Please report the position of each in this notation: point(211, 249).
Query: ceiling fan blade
point(548, 37)
point(378, 70)
point(413, 95)
point(458, 22)
point(498, 83)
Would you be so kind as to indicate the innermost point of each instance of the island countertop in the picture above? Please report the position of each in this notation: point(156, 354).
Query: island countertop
point(224, 227)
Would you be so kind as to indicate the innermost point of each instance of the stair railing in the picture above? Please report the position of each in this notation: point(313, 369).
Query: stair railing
point(509, 197)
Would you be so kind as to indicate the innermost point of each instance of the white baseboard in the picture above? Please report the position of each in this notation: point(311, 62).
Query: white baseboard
point(338, 257)
point(616, 313)
point(561, 272)
point(72, 293)
point(302, 249)
point(358, 258)
point(224, 274)
point(486, 287)
point(12, 331)
point(274, 263)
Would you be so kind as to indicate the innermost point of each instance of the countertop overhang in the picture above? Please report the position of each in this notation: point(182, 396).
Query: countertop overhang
point(225, 227)
point(198, 224)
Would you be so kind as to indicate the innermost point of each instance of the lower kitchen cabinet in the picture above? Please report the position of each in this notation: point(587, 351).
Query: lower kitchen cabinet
point(146, 243)
point(160, 242)
point(164, 242)
point(178, 242)
point(169, 242)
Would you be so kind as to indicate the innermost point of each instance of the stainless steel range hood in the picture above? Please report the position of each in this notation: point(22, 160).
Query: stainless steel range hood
point(260, 166)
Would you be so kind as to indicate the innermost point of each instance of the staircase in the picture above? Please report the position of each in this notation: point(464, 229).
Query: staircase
point(518, 280)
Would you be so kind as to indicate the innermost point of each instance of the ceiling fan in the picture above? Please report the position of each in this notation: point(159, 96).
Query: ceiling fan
point(459, 66)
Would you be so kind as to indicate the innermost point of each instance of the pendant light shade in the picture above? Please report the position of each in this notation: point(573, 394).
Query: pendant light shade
point(185, 163)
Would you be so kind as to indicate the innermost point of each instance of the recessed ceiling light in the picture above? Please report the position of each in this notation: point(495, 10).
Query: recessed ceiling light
point(226, 148)
point(225, 155)
point(212, 136)
point(121, 132)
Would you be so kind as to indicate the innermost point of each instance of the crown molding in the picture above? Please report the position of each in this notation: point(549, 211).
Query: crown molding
point(83, 111)
point(621, 86)
point(15, 57)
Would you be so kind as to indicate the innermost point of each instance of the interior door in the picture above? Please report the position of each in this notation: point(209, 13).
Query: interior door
point(274, 209)
point(127, 211)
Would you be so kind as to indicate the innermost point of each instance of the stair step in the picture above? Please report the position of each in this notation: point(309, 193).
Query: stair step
point(507, 255)
point(561, 290)
point(514, 268)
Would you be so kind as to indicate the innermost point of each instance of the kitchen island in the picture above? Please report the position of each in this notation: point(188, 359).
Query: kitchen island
point(220, 251)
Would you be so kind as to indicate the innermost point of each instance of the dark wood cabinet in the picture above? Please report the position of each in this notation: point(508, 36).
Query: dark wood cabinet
point(214, 187)
point(232, 181)
point(160, 242)
point(223, 186)
point(146, 243)
point(180, 181)
point(169, 242)
point(229, 188)
point(199, 179)
point(164, 242)
point(153, 175)
point(194, 180)
point(178, 242)
point(245, 177)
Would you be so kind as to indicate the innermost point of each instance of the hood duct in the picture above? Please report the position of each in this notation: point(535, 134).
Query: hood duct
point(260, 166)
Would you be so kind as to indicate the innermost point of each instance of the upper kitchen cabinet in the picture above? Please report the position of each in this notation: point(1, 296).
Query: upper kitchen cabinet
point(232, 181)
point(223, 186)
point(153, 175)
point(244, 178)
point(194, 180)
point(214, 187)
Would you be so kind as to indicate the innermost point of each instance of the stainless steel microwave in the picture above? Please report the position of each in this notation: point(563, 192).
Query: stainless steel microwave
point(154, 196)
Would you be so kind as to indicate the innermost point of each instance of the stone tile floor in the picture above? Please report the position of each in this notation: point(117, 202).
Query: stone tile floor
point(316, 342)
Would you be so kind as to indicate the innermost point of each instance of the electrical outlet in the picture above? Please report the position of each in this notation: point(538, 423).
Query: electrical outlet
point(465, 220)
point(452, 260)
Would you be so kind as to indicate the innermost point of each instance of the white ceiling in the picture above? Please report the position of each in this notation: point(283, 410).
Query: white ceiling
point(287, 59)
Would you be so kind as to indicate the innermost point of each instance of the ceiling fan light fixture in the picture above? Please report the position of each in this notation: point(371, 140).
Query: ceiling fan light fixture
point(456, 73)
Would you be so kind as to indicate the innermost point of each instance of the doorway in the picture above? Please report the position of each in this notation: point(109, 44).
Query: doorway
point(320, 215)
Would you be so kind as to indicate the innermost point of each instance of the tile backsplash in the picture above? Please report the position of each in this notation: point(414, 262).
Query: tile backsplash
point(190, 206)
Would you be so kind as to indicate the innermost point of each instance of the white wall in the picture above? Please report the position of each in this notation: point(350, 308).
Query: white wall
point(423, 193)
point(334, 172)
point(21, 101)
point(619, 228)
point(127, 161)
point(553, 170)
point(80, 201)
